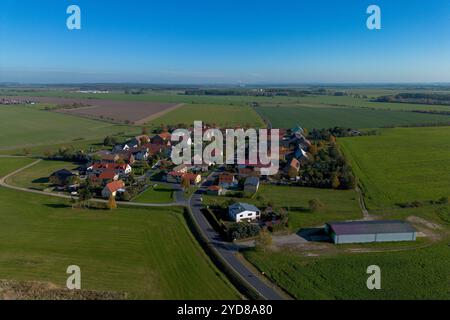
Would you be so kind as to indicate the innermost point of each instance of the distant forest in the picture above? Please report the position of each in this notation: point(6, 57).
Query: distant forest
point(418, 98)
point(268, 92)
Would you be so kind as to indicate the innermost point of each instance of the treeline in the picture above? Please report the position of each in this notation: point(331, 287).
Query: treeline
point(419, 98)
point(268, 92)
point(338, 132)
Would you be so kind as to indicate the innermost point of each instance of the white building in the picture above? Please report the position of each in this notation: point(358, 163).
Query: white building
point(243, 212)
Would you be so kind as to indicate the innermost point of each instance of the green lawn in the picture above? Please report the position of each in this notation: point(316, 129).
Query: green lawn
point(222, 115)
point(158, 194)
point(338, 204)
point(27, 126)
point(327, 117)
point(37, 176)
point(414, 274)
point(8, 165)
point(401, 165)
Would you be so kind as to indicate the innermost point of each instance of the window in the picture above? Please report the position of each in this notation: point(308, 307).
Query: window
point(249, 214)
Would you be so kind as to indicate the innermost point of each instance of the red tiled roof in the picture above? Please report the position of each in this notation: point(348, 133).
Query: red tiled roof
point(115, 185)
point(176, 173)
point(214, 188)
point(226, 177)
point(165, 135)
point(107, 174)
point(109, 166)
point(191, 176)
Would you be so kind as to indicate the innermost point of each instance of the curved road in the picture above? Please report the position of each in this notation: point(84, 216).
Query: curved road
point(225, 249)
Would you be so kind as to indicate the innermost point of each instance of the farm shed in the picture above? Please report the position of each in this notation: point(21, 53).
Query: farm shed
point(370, 231)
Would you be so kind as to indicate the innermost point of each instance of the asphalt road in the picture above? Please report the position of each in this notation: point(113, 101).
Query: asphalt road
point(228, 250)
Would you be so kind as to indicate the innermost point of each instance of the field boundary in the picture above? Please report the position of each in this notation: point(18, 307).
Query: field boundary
point(158, 114)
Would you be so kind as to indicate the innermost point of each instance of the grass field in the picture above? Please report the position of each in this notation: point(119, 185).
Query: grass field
point(401, 165)
point(414, 274)
point(159, 194)
point(222, 115)
point(327, 117)
point(10, 164)
point(148, 253)
point(338, 204)
point(36, 177)
point(26, 126)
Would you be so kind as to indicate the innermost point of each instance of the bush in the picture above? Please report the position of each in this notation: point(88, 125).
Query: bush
point(315, 205)
point(242, 230)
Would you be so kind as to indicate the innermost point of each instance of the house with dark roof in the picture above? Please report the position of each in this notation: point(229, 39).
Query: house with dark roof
point(61, 177)
point(227, 180)
point(370, 231)
point(243, 212)
point(251, 185)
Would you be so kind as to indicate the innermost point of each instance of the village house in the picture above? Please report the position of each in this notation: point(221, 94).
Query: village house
point(104, 156)
point(107, 176)
point(293, 166)
point(122, 169)
point(133, 143)
point(243, 212)
point(61, 177)
point(251, 185)
point(139, 153)
point(194, 178)
point(112, 188)
point(227, 181)
point(183, 168)
point(161, 139)
point(174, 177)
point(215, 191)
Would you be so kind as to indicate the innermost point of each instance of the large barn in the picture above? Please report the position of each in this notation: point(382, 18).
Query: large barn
point(370, 231)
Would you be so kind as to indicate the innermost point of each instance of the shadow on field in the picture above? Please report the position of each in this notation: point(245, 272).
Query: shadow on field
point(314, 235)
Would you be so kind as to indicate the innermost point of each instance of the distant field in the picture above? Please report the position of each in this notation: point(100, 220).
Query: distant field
point(323, 117)
point(221, 115)
point(26, 126)
point(413, 274)
point(401, 165)
point(136, 112)
point(159, 194)
point(338, 204)
point(36, 177)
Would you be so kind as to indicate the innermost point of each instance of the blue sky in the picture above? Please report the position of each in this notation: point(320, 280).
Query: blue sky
point(213, 41)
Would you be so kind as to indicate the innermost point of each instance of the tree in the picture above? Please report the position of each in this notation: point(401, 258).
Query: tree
point(112, 203)
point(292, 172)
point(264, 239)
point(313, 149)
point(315, 205)
point(85, 194)
point(185, 183)
point(335, 183)
point(109, 141)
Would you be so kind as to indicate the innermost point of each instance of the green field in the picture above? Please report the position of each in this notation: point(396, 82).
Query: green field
point(338, 204)
point(401, 165)
point(414, 274)
point(26, 126)
point(8, 165)
point(327, 117)
point(36, 177)
point(221, 115)
point(158, 194)
point(147, 253)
